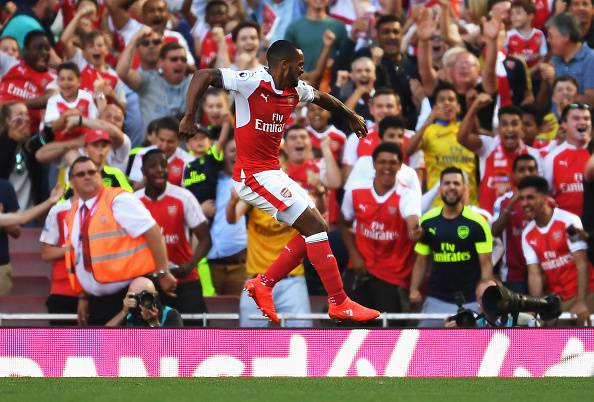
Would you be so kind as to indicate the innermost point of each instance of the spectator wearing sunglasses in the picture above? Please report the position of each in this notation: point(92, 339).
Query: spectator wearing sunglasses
point(161, 93)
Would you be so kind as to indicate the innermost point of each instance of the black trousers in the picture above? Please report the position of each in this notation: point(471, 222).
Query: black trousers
point(60, 304)
point(189, 300)
point(104, 308)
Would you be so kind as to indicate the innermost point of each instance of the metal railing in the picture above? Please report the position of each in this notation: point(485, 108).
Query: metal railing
point(284, 317)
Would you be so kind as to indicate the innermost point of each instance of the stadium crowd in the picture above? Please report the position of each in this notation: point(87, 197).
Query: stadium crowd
point(477, 166)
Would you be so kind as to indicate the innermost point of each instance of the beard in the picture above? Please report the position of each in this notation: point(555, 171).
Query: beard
point(451, 201)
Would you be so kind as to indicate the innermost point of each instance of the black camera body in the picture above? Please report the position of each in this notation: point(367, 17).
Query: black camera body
point(145, 299)
point(465, 318)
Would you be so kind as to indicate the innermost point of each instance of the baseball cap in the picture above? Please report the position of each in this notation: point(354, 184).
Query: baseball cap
point(93, 136)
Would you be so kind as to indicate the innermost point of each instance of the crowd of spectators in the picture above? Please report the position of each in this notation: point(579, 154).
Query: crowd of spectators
point(477, 167)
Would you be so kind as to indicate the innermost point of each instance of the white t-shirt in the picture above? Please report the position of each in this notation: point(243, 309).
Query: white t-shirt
point(56, 103)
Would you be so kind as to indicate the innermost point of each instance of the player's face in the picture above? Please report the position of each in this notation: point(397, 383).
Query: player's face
point(531, 201)
point(530, 127)
point(394, 135)
point(155, 171)
point(113, 115)
point(68, 82)
point(582, 9)
point(215, 107)
point(389, 36)
point(248, 40)
point(525, 169)
point(95, 52)
point(167, 141)
point(98, 152)
point(174, 66)
point(363, 72)
point(578, 126)
point(155, 14)
point(317, 117)
point(510, 131)
point(295, 69)
point(447, 105)
point(451, 188)
point(297, 146)
point(386, 167)
point(88, 184)
point(37, 54)
point(10, 47)
point(384, 105)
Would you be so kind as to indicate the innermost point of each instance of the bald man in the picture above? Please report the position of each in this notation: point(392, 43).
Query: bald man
point(146, 313)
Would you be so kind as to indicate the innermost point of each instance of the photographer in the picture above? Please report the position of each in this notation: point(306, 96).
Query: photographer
point(142, 308)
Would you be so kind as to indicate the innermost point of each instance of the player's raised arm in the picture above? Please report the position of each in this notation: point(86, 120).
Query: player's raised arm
point(201, 80)
point(329, 102)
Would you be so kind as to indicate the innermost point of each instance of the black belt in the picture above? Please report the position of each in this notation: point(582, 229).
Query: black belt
point(236, 258)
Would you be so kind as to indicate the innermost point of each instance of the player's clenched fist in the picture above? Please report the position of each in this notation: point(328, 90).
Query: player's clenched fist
point(357, 124)
point(187, 127)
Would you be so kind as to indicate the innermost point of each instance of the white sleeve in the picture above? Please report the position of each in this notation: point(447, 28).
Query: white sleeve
point(424, 113)
point(348, 212)
point(136, 170)
point(120, 91)
point(93, 112)
point(410, 203)
point(79, 60)
point(428, 197)
point(575, 221)
point(489, 143)
point(543, 45)
point(529, 254)
point(6, 63)
point(497, 207)
point(417, 160)
point(193, 214)
point(408, 176)
point(547, 168)
point(51, 110)
point(236, 80)
point(51, 232)
point(305, 91)
point(349, 156)
point(131, 214)
point(119, 156)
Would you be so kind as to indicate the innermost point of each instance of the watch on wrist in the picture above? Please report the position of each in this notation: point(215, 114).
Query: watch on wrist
point(159, 274)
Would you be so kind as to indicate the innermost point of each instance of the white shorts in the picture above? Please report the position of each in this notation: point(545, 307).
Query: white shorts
point(276, 194)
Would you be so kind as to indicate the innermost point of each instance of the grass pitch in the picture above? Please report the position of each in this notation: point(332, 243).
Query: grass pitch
point(297, 389)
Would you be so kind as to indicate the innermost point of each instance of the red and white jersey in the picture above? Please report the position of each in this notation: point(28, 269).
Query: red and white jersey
point(564, 170)
point(209, 49)
point(337, 139)
point(68, 8)
point(496, 169)
point(261, 112)
point(22, 83)
point(544, 9)
point(57, 105)
point(175, 165)
point(89, 74)
point(175, 211)
point(552, 249)
point(531, 48)
point(381, 234)
point(357, 147)
point(513, 267)
point(54, 234)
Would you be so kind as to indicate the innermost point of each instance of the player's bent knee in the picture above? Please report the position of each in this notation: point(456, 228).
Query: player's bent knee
point(310, 223)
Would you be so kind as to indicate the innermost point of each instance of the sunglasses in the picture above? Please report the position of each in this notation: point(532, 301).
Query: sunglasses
point(90, 173)
point(580, 106)
point(175, 59)
point(148, 42)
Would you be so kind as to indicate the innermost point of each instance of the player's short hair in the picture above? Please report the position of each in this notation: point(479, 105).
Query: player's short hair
point(385, 19)
point(566, 24)
point(150, 154)
point(525, 5)
point(79, 160)
point(533, 111)
point(389, 147)
point(385, 91)
point(167, 123)
point(88, 38)
point(36, 33)
point(242, 25)
point(453, 170)
point(281, 50)
point(169, 47)
point(291, 128)
point(70, 66)
point(390, 122)
point(510, 109)
point(524, 158)
point(540, 184)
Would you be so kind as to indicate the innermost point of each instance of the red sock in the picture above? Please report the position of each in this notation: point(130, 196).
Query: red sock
point(321, 257)
point(290, 257)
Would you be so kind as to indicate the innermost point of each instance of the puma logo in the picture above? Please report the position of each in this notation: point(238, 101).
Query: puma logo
point(265, 97)
point(432, 231)
point(348, 312)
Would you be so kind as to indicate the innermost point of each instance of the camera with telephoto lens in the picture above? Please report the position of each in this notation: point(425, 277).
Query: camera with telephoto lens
point(465, 318)
point(145, 299)
point(499, 301)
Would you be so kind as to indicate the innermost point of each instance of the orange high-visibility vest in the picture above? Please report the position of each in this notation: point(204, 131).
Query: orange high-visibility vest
point(115, 255)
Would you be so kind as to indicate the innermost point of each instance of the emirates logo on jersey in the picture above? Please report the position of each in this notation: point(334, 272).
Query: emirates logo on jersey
point(285, 192)
point(172, 210)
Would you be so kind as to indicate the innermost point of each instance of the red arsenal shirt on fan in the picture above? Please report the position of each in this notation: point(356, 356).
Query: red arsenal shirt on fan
point(531, 48)
point(564, 170)
point(337, 139)
point(89, 74)
point(175, 165)
point(261, 114)
point(552, 249)
point(21, 82)
point(380, 231)
point(175, 211)
point(57, 105)
point(496, 169)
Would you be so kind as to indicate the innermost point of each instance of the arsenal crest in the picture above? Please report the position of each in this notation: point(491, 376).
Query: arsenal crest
point(392, 210)
point(291, 100)
point(286, 193)
point(172, 210)
point(557, 235)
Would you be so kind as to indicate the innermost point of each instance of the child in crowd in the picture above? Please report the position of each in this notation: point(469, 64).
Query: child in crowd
point(524, 41)
point(319, 128)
